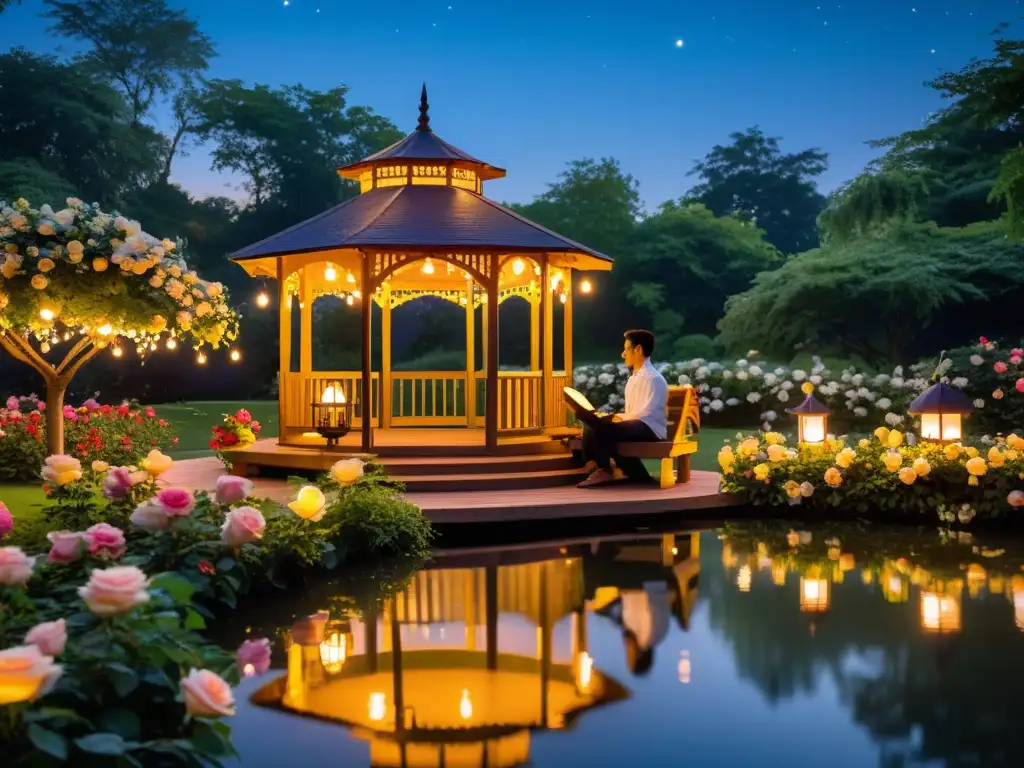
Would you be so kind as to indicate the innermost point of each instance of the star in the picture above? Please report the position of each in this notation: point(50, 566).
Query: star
point(679, 43)
point(287, 3)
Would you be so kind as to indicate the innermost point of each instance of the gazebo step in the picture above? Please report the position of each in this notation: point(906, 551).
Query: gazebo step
point(437, 466)
point(498, 481)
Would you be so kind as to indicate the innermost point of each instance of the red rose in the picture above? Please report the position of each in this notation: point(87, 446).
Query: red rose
point(243, 416)
point(151, 413)
point(126, 441)
point(174, 441)
point(105, 409)
point(214, 444)
point(256, 427)
point(84, 419)
point(32, 429)
point(206, 567)
point(35, 417)
point(230, 439)
point(162, 423)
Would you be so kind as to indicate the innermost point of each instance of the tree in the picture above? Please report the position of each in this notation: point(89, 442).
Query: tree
point(685, 262)
point(872, 202)
point(752, 177)
point(883, 297)
point(88, 279)
point(5, 3)
point(144, 47)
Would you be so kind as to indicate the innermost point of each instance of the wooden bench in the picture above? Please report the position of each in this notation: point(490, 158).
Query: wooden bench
point(674, 452)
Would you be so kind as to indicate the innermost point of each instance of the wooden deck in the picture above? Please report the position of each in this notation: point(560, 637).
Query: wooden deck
point(701, 493)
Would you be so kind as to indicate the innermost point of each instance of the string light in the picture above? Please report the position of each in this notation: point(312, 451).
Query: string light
point(562, 297)
point(350, 300)
point(105, 330)
point(262, 300)
point(172, 343)
point(586, 286)
point(428, 267)
point(48, 312)
point(44, 347)
point(330, 274)
point(116, 352)
point(235, 355)
point(350, 278)
point(201, 358)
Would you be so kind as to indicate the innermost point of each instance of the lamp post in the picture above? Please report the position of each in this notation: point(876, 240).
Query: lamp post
point(332, 414)
point(811, 418)
point(941, 409)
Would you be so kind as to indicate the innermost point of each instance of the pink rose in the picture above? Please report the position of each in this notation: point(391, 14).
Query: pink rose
point(999, 367)
point(1015, 359)
point(243, 416)
point(207, 695)
point(105, 541)
point(150, 516)
point(12, 403)
point(6, 520)
point(997, 394)
point(115, 590)
point(176, 502)
point(1017, 352)
point(1019, 385)
point(254, 657)
point(15, 567)
point(26, 674)
point(65, 547)
point(118, 483)
point(1015, 499)
point(231, 489)
point(50, 637)
point(242, 526)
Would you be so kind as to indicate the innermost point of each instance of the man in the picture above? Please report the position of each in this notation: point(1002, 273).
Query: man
point(644, 420)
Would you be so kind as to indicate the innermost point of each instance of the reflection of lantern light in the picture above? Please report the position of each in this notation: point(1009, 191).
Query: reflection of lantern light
point(465, 706)
point(779, 574)
point(940, 612)
point(895, 587)
point(1018, 601)
point(377, 706)
point(728, 556)
point(941, 409)
point(684, 667)
point(585, 671)
point(813, 595)
point(518, 266)
point(743, 578)
point(976, 578)
point(333, 652)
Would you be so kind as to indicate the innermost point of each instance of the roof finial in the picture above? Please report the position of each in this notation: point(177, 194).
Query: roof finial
point(424, 124)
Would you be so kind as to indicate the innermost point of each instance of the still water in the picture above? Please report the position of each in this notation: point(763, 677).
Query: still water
point(747, 645)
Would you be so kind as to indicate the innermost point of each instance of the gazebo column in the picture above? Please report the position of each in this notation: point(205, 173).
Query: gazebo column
point(534, 299)
point(470, 356)
point(384, 394)
point(366, 393)
point(305, 321)
point(491, 314)
point(284, 347)
point(546, 339)
point(567, 340)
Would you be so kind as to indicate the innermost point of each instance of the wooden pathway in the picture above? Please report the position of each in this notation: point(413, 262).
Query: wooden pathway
point(701, 493)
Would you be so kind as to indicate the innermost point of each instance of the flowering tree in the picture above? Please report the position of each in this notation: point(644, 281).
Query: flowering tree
point(90, 280)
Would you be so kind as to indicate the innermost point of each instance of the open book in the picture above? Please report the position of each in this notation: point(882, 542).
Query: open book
point(576, 400)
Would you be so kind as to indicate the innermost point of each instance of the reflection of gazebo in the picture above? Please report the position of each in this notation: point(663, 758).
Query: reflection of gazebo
point(457, 670)
point(422, 227)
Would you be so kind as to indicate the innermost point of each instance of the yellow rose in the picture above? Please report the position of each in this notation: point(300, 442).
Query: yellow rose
point(777, 453)
point(761, 471)
point(61, 469)
point(747, 448)
point(726, 458)
point(882, 433)
point(310, 503)
point(39, 282)
point(45, 265)
point(127, 264)
point(895, 439)
point(99, 264)
point(971, 451)
point(845, 458)
point(922, 467)
point(774, 438)
point(25, 674)
point(863, 443)
point(833, 477)
point(100, 466)
point(892, 460)
point(157, 324)
point(996, 457)
point(1015, 442)
point(977, 466)
point(807, 388)
point(908, 476)
point(347, 471)
point(792, 489)
point(806, 489)
point(140, 267)
point(1012, 455)
point(155, 281)
point(156, 463)
point(9, 269)
point(951, 451)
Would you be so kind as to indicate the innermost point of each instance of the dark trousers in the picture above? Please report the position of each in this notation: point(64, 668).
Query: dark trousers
point(600, 436)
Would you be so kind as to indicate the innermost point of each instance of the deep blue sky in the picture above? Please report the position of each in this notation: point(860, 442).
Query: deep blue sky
point(531, 85)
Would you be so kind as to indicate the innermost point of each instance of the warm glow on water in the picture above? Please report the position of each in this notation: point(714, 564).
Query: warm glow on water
point(724, 646)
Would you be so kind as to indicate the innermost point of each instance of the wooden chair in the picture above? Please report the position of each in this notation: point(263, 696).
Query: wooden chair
point(675, 452)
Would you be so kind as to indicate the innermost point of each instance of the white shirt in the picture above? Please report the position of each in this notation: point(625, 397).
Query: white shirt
point(646, 612)
point(647, 399)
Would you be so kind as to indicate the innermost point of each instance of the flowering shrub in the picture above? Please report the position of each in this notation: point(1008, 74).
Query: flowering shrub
point(996, 374)
point(886, 473)
point(237, 431)
point(120, 434)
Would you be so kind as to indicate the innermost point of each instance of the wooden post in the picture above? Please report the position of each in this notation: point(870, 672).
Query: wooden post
point(305, 321)
point(534, 331)
point(491, 614)
point(544, 636)
point(491, 415)
point(366, 395)
point(567, 329)
point(470, 357)
point(285, 346)
point(398, 687)
point(546, 339)
point(384, 393)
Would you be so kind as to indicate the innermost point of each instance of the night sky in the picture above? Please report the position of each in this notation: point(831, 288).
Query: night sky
point(529, 85)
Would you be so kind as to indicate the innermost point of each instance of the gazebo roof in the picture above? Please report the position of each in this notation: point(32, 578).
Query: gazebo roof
point(421, 218)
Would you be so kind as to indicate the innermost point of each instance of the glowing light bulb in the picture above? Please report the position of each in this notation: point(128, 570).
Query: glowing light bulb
point(172, 343)
point(201, 358)
point(262, 300)
point(357, 294)
point(350, 300)
point(428, 267)
point(105, 330)
point(376, 706)
point(518, 266)
point(44, 347)
point(48, 314)
point(465, 705)
point(350, 278)
point(562, 297)
point(586, 286)
point(330, 274)
point(235, 355)
point(152, 347)
point(117, 352)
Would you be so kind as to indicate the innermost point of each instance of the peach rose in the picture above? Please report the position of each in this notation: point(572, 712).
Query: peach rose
point(26, 674)
point(115, 590)
point(65, 546)
point(156, 463)
point(150, 516)
point(207, 695)
point(61, 469)
point(1015, 499)
point(100, 467)
point(176, 502)
point(15, 567)
point(231, 488)
point(50, 637)
point(347, 471)
point(310, 503)
point(104, 541)
point(242, 526)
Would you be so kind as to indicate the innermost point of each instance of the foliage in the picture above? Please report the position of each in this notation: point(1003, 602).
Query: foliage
point(871, 203)
point(886, 475)
point(885, 297)
point(121, 434)
point(143, 47)
point(754, 179)
point(237, 431)
point(996, 383)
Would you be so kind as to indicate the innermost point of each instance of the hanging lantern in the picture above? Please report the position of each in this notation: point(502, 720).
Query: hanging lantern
point(334, 650)
point(811, 419)
point(941, 408)
point(332, 414)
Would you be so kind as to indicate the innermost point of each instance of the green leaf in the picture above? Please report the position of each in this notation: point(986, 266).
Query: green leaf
point(48, 741)
point(177, 586)
point(122, 678)
point(225, 564)
point(122, 722)
point(193, 620)
point(211, 740)
point(102, 744)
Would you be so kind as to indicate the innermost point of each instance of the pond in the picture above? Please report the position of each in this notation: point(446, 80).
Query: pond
point(747, 644)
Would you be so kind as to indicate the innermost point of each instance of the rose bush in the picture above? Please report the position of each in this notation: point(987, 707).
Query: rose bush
point(113, 434)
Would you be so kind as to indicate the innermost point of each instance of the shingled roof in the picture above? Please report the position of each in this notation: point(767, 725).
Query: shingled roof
point(410, 217)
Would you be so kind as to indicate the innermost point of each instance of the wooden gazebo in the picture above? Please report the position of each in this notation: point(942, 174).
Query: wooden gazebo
point(421, 226)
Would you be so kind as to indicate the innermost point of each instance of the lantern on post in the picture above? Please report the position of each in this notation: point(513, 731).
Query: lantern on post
point(332, 414)
point(335, 648)
point(941, 409)
point(811, 418)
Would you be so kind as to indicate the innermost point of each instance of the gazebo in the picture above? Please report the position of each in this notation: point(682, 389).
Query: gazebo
point(421, 226)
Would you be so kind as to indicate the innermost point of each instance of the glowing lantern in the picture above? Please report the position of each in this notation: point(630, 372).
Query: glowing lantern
point(235, 355)
point(333, 652)
point(48, 311)
point(332, 414)
point(518, 266)
point(262, 300)
point(814, 595)
point(940, 612)
point(586, 286)
point(172, 343)
point(894, 587)
point(941, 409)
point(428, 267)
point(201, 359)
point(330, 273)
point(811, 420)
